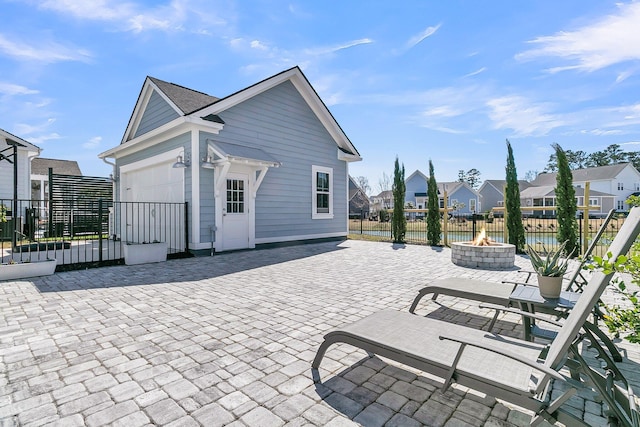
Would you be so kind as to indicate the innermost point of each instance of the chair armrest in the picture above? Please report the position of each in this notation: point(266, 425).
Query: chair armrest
point(511, 355)
point(520, 312)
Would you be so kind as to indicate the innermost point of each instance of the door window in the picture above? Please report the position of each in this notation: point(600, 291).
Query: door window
point(235, 196)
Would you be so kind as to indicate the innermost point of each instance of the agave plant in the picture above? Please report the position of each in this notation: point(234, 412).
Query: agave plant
point(551, 264)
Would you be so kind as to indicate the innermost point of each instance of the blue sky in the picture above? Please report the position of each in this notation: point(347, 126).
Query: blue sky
point(446, 81)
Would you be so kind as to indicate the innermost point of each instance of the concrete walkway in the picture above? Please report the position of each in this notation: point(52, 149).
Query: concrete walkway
point(228, 340)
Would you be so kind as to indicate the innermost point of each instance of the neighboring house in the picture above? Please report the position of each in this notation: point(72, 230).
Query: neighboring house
point(40, 174)
point(25, 152)
point(459, 194)
point(546, 196)
point(491, 192)
point(359, 205)
point(620, 180)
point(383, 200)
point(264, 165)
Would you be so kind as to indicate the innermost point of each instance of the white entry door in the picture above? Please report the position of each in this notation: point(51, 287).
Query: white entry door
point(235, 213)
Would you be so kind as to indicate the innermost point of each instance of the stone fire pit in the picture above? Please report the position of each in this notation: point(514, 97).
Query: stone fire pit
point(488, 256)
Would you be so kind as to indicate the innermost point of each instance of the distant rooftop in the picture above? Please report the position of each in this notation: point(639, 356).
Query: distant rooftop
point(40, 166)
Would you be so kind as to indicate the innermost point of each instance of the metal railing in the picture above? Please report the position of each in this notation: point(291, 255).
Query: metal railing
point(88, 233)
point(461, 228)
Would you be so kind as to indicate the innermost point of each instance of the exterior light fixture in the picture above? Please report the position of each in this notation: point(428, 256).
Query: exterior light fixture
point(207, 163)
point(182, 162)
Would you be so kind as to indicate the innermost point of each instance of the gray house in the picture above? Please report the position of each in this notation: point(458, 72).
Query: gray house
point(266, 164)
point(491, 192)
point(460, 195)
point(359, 204)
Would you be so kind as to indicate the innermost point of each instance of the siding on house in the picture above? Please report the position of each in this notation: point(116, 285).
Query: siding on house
point(6, 177)
point(279, 122)
point(180, 141)
point(463, 195)
point(157, 113)
point(490, 197)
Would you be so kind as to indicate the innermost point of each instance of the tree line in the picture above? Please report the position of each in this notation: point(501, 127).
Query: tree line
point(580, 159)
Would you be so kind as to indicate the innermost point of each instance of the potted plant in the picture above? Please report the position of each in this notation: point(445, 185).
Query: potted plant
point(145, 252)
point(550, 269)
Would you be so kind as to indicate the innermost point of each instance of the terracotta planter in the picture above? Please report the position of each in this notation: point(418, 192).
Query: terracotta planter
point(142, 253)
point(23, 270)
point(550, 287)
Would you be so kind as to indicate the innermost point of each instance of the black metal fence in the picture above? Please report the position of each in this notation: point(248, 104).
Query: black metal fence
point(460, 228)
point(88, 233)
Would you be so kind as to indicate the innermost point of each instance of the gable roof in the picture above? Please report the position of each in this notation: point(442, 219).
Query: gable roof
point(27, 145)
point(187, 100)
point(499, 184)
point(40, 166)
point(418, 173)
point(598, 173)
point(199, 108)
point(453, 187)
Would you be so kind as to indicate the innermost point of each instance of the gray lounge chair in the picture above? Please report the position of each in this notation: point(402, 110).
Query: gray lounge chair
point(494, 292)
point(503, 367)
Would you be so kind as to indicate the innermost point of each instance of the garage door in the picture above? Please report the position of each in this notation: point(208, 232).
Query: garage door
point(150, 189)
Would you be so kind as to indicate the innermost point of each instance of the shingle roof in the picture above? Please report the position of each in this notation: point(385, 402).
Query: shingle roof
point(549, 191)
point(187, 100)
point(580, 175)
point(40, 166)
point(500, 183)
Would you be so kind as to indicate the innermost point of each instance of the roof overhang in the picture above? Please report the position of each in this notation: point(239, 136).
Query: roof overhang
point(297, 78)
point(224, 152)
point(175, 127)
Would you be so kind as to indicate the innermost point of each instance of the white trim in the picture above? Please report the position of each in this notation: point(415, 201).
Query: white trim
point(176, 127)
point(299, 237)
point(151, 161)
point(195, 187)
point(314, 208)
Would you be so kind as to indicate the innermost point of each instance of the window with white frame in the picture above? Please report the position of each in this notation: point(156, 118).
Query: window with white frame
point(472, 205)
point(636, 186)
point(593, 202)
point(620, 186)
point(322, 192)
point(620, 205)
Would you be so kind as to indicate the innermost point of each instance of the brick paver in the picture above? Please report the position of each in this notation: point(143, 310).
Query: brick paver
point(229, 339)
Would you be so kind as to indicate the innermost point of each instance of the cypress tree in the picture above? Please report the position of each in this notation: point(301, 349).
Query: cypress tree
point(515, 229)
point(566, 203)
point(398, 222)
point(433, 209)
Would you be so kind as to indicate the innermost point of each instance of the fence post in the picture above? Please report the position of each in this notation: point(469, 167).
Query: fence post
point(50, 197)
point(100, 231)
point(505, 229)
point(186, 226)
point(445, 220)
point(585, 219)
point(361, 220)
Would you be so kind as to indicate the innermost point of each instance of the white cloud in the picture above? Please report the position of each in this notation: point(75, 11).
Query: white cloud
point(13, 89)
point(610, 40)
point(427, 32)
point(93, 143)
point(44, 138)
point(257, 44)
point(131, 16)
point(524, 117)
point(475, 73)
point(26, 129)
point(332, 49)
point(602, 132)
point(43, 51)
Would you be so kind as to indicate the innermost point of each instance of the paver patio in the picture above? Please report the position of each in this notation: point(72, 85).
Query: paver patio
point(229, 339)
